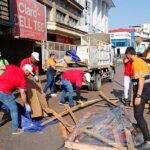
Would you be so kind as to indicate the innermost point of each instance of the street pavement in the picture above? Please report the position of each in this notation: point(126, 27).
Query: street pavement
point(50, 137)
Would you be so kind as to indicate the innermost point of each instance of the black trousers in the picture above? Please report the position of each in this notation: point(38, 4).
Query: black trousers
point(138, 114)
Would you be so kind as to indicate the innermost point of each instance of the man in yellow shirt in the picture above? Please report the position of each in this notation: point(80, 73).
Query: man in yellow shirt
point(141, 92)
point(51, 72)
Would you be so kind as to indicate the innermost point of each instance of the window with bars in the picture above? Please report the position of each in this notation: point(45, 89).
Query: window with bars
point(72, 22)
point(60, 17)
point(48, 10)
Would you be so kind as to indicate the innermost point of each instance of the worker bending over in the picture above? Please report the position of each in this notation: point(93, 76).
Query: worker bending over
point(14, 77)
point(72, 78)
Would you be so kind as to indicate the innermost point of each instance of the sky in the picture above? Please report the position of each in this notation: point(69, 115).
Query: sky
point(129, 13)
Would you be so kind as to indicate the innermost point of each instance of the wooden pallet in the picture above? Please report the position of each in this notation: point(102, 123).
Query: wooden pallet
point(75, 144)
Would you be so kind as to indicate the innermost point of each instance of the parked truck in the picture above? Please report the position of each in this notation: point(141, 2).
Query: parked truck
point(95, 50)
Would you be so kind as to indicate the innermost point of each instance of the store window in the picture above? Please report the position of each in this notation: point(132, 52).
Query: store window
point(121, 43)
point(60, 17)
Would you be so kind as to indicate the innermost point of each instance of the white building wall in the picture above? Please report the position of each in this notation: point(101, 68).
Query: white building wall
point(95, 16)
point(146, 27)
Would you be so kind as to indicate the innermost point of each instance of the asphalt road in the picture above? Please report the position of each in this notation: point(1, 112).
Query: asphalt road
point(50, 137)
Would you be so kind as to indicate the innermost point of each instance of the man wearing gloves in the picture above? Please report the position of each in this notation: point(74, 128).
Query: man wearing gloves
point(14, 77)
point(33, 61)
point(70, 78)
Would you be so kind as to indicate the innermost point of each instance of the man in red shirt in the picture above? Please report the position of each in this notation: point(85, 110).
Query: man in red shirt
point(14, 77)
point(33, 61)
point(73, 77)
point(127, 81)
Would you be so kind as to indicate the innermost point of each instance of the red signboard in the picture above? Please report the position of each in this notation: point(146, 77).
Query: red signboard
point(64, 39)
point(30, 21)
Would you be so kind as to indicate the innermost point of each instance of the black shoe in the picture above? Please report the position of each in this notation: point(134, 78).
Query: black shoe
point(127, 103)
point(6, 118)
point(144, 146)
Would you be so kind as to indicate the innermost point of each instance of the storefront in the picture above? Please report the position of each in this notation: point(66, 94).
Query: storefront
point(122, 38)
point(29, 26)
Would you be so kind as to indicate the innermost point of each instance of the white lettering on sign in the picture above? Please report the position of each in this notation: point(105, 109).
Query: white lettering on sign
point(29, 19)
point(23, 8)
point(39, 26)
point(25, 22)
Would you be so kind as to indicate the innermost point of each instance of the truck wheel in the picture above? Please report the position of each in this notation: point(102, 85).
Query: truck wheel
point(90, 86)
point(112, 73)
point(97, 82)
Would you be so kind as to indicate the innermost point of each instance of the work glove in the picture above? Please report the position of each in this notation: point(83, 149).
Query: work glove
point(59, 70)
point(36, 79)
point(27, 107)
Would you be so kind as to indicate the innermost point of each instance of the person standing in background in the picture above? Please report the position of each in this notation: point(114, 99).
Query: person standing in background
point(33, 61)
point(50, 74)
point(127, 81)
point(141, 93)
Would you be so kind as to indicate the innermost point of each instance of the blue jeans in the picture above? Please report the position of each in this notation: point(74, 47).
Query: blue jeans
point(67, 87)
point(49, 84)
point(9, 101)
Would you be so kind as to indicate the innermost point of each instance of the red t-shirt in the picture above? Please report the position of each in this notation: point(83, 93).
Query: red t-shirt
point(12, 77)
point(74, 76)
point(127, 69)
point(27, 61)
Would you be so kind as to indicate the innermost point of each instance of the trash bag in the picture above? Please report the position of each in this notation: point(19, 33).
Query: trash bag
point(74, 55)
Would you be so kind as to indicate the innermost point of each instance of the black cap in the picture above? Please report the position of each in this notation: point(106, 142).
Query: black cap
point(52, 54)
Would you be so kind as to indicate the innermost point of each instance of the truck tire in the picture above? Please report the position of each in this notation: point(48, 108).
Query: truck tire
point(97, 82)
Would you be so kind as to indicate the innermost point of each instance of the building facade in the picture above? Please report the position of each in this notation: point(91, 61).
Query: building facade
point(122, 38)
point(6, 17)
point(95, 15)
point(62, 17)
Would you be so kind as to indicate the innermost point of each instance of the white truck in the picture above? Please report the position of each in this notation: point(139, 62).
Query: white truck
point(95, 49)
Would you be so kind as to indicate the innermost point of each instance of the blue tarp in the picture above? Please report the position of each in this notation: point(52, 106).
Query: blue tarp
point(25, 121)
point(73, 54)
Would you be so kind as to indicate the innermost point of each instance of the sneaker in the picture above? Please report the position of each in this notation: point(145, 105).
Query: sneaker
point(53, 95)
point(18, 131)
point(44, 94)
point(71, 106)
point(144, 146)
point(61, 103)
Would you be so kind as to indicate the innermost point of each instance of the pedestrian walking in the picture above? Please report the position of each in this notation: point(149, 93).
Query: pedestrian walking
point(72, 78)
point(33, 61)
point(141, 92)
point(118, 53)
point(127, 81)
point(50, 74)
point(12, 78)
